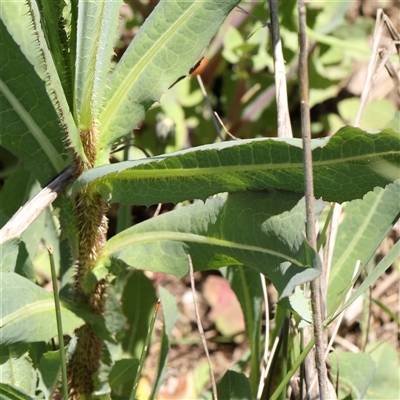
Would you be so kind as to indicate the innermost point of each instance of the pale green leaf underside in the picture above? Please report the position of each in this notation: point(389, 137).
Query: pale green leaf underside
point(365, 224)
point(97, 24)
point(257, 229)
point(378, 271)
point(31, 317)
point(164, 50)
point(355, 372)
point(345, 166)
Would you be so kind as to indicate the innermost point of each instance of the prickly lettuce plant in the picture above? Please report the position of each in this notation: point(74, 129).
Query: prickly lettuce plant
point(94, 108)
point(62, 105)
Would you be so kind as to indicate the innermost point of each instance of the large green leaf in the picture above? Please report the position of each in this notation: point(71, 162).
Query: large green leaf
point(28, 315)
point(8, 392)
point(96, 30)
point(29, 126)
point(164, 50)
point(386, 381)
point(138, 301)
point(378, 271)
point(246, 283)
point(170, 311)
point(49, 372)
point(16, 17)
point(365, 224)
point(53, 25)
point(257, 229)
point(346, 166)
point(234, 386)
point(54, 84)
point(355, 372)
point(16, 368)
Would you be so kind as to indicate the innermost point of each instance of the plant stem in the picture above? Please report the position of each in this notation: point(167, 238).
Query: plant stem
point(309, 195)
point(59, 324)
point(201, 330)
point(284, 126)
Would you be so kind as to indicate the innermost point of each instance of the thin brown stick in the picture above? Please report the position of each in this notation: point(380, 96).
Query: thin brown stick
point(309, 197)
point(371, 67)
point(284, 126)
point(224, 127)
point(24, 217)
point(200, 328)
point(203, 90)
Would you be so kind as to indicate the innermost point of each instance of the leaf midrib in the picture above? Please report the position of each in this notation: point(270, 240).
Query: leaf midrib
point(135, 172)
point(27, 311)
point(117, 243)
point(124, 87)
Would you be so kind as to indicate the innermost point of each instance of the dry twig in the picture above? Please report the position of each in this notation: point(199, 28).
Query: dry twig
point(200, 327)
point(24, 217)
point(309, 196)
point(284, 126)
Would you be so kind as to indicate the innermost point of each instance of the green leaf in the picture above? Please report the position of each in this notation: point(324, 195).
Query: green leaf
point(7, 392)
point(365, 224)
point(28, 313)
point(246, 283)
point(53, 25)
point(16, 17)
point(234, 386)
point(355, 373)
point(8, 255)
point(345, 167)
point(54, 85)
point(171, 314)
point(386, 381)
point(97, 26)
point(29, 126)
point(257, 229)
point(166, 47)
point(170, 310)
point(378, 271)
point(122, 371)
point(138, 301)
point(17, 369)
point(49, 371)
point(376, 115)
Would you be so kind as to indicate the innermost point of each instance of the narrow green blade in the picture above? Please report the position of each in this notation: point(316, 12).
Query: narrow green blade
point(164, 50)
point(96, 31)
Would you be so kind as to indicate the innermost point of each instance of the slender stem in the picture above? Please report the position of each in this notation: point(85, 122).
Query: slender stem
point(284, 126)
point(144, 351)
point(59, 324)
point(209, 105)
point(201, 330)
point(309, 195)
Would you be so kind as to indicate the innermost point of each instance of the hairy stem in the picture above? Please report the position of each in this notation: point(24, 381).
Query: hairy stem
point(90, 212)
